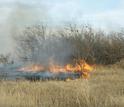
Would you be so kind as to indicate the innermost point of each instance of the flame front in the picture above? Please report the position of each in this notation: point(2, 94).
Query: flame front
point(81, 66)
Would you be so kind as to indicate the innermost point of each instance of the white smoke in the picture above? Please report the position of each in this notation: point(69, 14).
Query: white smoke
point(16, 14)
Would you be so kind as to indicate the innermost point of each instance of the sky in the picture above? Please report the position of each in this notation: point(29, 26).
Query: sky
point(15, 14)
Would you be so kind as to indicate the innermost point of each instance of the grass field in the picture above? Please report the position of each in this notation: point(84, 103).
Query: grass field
point(105, 88)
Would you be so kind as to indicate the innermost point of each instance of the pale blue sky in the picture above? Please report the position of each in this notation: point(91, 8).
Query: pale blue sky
point(106, 14)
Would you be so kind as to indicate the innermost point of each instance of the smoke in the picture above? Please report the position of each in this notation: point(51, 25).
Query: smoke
point(38, 45)
point(54, 50)
point(28, 13)
point(24, 14)
point(20, 14)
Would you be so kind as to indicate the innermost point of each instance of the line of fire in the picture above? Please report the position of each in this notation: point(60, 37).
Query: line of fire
point(53, 71)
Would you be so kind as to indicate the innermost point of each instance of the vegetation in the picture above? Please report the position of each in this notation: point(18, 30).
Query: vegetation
point(104, 89)
point(4, 59)
point(39, 43)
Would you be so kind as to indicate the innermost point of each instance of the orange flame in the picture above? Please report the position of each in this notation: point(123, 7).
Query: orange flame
point(81, 67)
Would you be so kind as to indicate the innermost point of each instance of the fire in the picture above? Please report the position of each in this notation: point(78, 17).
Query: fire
point(80, 66)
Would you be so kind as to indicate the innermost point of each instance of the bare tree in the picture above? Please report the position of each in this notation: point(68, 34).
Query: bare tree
point(38, 45)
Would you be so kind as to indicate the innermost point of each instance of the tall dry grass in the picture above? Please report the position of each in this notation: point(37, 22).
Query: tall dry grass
point(105, 88)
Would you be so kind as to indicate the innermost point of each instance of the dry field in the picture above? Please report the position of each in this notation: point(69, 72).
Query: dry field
point(105, 88)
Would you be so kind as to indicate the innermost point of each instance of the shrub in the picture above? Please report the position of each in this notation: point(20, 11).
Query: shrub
point(37, 44)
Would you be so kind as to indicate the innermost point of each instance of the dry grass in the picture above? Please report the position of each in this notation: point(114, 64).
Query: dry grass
point(105, 88)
